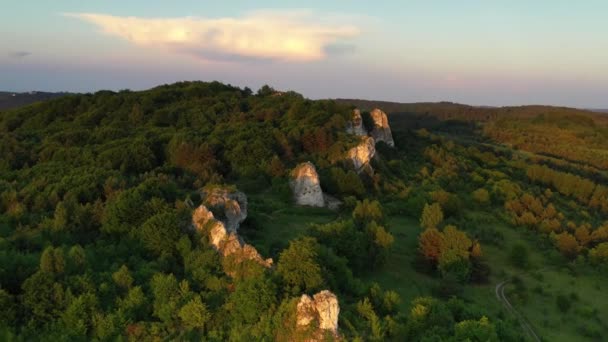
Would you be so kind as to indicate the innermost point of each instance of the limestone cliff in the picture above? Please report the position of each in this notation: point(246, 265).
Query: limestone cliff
point(232, 207)
point(306, 186)
point(381, 130)
point(322, 310)
point(363, 153)
point(355, 125)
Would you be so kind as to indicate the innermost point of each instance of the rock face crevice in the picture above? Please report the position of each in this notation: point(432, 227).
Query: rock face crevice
point(306, 186)
point(322, 309)
point(381, 130)
point(231, 208)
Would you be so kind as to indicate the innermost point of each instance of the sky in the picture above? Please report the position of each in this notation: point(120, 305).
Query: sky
point(477, 52)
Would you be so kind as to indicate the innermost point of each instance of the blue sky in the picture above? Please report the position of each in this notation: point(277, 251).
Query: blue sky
point(476, 52)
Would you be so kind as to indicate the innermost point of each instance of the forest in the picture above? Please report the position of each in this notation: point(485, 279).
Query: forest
point(97, 193)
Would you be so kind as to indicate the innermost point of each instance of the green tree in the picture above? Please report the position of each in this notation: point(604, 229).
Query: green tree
point(39, 297)
point(47, 262)
point(377, 329)
point(123, 277)
point(52, 260)
point(298, 266)
point(367, 211)
point(134, 303)
point(77, 256)
point(166, 296)
point(481, 196)
point(432, 216)
point(124, 213)
point(8, 312)
point(61, 217)
point(251, 298)
point(379, 243)
point(599, 254)
point(160, 233)
point(479, 331)
point(78, 316)
point(194, 314)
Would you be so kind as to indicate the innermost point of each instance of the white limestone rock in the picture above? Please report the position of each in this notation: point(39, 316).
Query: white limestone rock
point(382, 130)
point(355, 126)
point(362, 154)
point(232, 206)
point(306, 186)
point(323, 307)
point(229, 206)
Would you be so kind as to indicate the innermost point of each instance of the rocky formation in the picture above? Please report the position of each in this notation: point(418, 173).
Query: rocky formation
point(322, 308)
point(363, 153)
point(355, 126)
point(382, 130)
point(231, 206)
point(306, 186)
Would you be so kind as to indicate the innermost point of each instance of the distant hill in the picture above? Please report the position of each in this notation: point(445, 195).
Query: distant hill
point(456, 111)
point(13, 100)
point(597, 110)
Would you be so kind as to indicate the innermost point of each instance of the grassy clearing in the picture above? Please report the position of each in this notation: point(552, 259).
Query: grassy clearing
point(585, 319)
point(398, 274)
point(542, 282)
point(273, 222)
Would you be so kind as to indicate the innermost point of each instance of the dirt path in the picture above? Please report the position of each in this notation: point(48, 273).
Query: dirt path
point(500, 295)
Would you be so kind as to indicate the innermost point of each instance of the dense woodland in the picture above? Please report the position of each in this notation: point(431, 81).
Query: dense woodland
point(97, 191)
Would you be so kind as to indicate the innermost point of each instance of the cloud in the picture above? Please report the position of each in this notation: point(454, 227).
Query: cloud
point(19, 54)
point(259, 35)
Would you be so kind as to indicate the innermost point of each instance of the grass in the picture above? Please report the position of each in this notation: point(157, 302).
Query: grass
point(274, 222)
point(544, 280)
point(398, 274)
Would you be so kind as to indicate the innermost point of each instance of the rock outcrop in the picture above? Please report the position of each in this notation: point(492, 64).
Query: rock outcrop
point(382, 130)
point(317, 316)
point(306, 186)
point(363, 153)
point(231, 207)
point(322, 308)
point(355, 125)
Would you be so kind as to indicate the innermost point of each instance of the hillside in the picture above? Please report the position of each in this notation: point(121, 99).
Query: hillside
point(10, 100)
point(203, 211)
point(575, 135)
